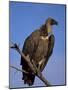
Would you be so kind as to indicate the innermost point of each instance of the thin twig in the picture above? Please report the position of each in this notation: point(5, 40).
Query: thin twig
point(19, 69)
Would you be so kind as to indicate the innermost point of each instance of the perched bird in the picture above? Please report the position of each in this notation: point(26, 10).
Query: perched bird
point(38, 47)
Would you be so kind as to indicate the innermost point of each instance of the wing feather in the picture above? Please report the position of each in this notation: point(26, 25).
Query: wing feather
point(50, 50)
point(30, 45)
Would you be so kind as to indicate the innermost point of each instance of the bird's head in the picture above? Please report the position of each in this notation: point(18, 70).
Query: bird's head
point(49, 23)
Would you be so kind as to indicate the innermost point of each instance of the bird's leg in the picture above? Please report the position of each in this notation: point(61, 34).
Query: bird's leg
point(40, 65)
point(37, 68)
point(34, 65)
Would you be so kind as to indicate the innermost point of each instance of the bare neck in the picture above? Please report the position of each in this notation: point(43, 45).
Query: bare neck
point(49, 28)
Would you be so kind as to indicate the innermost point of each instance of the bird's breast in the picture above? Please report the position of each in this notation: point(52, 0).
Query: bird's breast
point(41, 49)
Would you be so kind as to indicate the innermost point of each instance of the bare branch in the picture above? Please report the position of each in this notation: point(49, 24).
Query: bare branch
point(34, 69)
point(19, 69)
point(46, 82)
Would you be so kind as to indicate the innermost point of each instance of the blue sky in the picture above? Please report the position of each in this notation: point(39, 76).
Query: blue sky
point(24, 19)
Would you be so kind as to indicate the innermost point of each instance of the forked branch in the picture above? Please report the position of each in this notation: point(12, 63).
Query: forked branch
point(34, 69)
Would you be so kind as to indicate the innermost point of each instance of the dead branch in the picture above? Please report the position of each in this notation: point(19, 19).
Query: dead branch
point(34, 70)
point(19, 69)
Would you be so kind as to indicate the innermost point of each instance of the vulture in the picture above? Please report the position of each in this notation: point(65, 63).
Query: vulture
point(38, 47)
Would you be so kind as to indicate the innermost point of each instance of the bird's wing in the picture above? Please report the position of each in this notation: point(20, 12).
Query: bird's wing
point(51, 45)
point(30, 44)
point(29, 48)
point(50, 50)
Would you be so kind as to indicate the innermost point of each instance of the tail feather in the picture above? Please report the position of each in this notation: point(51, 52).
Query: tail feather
point(28, 79)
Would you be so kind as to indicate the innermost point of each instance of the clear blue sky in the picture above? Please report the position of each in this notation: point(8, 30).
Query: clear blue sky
point(24, 19)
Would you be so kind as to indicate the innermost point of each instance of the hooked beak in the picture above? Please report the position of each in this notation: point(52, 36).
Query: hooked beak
point(54, 22)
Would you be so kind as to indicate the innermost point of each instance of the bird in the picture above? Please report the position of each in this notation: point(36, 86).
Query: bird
point(38, 47)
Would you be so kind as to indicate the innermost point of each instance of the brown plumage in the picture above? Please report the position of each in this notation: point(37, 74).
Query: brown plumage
point(39, 47)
